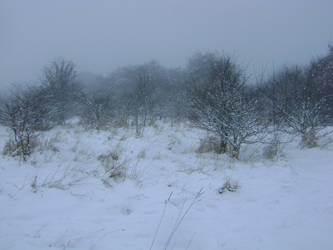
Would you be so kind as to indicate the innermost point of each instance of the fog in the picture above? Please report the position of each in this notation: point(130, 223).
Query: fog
point(101, 35)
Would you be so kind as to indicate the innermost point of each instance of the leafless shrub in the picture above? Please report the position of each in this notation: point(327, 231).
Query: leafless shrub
point(229, 186)
point(61, 89)
point(114, 168)
point(25, 112)
point(273, 147)
point(310, 140)
point(54, 181)
point(220, 102)
point(21, 148)
point(299, 103)
point(98, 110)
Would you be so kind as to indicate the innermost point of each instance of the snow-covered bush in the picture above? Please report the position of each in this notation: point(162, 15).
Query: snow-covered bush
point(61, 89)
point(220, 103)
point(61, 181)
point(25, 112)
point(299, 102)
point(21, 148)
point(273, 147)
point(97, 111)
point(229, 185)
point(113, 167)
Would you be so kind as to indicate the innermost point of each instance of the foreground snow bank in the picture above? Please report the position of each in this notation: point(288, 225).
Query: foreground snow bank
point(63, 198)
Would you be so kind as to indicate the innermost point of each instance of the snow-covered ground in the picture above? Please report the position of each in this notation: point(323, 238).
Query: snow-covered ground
point(63, 198)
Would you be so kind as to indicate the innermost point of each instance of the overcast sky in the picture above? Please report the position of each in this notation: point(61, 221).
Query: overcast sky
point(100, 35)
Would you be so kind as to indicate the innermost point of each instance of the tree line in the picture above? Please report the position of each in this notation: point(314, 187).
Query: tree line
point(212, 92)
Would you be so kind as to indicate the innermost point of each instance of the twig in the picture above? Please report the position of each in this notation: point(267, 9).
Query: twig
point(160, 221)
point(181, 219)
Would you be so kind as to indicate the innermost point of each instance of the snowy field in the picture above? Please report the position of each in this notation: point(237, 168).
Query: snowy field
point(166, 195)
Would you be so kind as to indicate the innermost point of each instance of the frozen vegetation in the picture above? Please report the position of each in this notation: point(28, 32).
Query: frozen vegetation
point(227, 150)
point(150, 157)
point(112, 189)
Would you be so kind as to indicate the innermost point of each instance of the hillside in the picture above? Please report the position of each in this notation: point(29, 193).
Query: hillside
point(163, 193)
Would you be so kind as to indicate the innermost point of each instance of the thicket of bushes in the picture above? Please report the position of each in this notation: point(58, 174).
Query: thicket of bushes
point(212, 92)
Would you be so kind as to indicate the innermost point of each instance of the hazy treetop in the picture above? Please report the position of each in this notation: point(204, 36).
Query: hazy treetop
point(102, 35)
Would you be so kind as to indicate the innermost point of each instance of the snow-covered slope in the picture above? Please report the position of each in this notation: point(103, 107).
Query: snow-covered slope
point(167, 196)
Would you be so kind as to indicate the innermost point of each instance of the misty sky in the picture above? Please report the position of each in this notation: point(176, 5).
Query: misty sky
point(100, 35)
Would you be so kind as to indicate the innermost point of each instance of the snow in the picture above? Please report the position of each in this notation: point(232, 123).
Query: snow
point(61, 198)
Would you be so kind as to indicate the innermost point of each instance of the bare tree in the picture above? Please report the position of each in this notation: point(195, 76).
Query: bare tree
point(320, 72)
point(98, 109)
point(172, 95)
point(59, 82)
point(25, 113)
point(297, 101)
point(219, 102)
point(139, 92)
